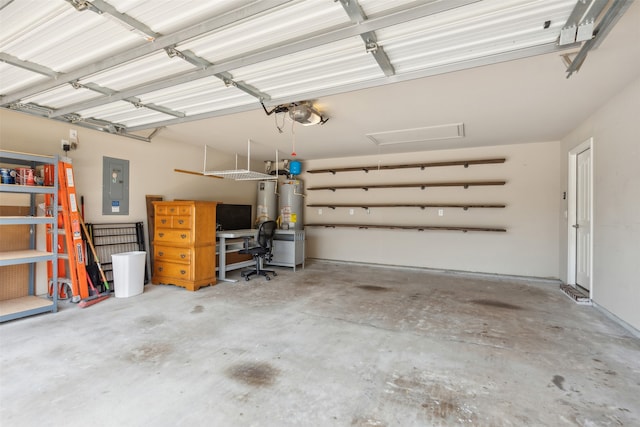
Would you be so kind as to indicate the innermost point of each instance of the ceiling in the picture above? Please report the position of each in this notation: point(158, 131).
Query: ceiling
point(392, 77)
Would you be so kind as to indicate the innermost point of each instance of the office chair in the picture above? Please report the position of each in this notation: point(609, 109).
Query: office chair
point(262, 252)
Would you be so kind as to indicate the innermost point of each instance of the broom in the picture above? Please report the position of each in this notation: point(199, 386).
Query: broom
point(96, 298)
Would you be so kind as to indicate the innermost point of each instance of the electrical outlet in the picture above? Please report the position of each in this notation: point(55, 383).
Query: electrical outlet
point(319, 211)
point(351, 212)
point(440, 212)
point(73, 135)
point(64, 144)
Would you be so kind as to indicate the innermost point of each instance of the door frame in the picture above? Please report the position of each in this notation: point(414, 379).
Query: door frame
point(572, 214)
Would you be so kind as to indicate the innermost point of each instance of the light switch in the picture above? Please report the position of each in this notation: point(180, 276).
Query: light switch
point(440, 212)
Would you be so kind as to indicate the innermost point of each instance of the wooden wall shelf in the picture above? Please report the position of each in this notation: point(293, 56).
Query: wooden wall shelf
point(408, 205)
point(423, 185)
point(409, 227)
point(366, 169)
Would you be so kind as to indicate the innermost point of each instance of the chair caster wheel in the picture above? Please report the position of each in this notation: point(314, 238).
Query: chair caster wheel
point(267, 277)
point(275, 274)
point(246, 279)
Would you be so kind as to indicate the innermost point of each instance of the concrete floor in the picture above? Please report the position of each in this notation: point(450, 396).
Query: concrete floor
point(330, 345)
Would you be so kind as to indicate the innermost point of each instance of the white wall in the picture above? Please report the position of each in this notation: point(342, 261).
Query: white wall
point(151, 167)
point(532, 195)
point(616, 198)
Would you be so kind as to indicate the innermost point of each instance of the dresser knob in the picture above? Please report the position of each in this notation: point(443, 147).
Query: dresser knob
point(183, 256)
point(184, 236)
point(160, 253)
point(161, 234)
point(164, 221)
point(160, 268)
point(183, 271)
point(181, 221)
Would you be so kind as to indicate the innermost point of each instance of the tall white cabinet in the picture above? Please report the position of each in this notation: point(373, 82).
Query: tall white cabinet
point(25, 302)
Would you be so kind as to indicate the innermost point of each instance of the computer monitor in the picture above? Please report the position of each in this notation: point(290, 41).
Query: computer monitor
point(233, 217)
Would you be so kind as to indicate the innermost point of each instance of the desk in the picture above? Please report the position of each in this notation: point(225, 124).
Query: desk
point(288, 249)
point(231, 241)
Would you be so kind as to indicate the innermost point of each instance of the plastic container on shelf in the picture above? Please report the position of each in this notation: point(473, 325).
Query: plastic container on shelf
point(128, 273)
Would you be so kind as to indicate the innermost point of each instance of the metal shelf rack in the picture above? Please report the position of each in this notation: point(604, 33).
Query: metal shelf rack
point(30, 304)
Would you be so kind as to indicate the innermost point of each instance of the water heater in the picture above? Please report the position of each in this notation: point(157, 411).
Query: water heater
point(267, 203)
point(291, 205)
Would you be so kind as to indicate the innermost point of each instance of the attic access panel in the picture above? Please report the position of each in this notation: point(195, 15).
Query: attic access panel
point(424, 134)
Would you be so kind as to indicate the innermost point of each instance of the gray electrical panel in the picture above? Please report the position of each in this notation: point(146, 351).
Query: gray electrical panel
point(115, 186)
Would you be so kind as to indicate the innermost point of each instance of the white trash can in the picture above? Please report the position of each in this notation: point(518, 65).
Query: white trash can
point(128, 273)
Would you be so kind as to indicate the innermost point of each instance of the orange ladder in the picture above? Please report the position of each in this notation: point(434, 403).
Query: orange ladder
point(69, 218)
point(64, 283)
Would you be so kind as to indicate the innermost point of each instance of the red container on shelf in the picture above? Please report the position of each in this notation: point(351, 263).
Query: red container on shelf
point(49, 172)
point(25, 176)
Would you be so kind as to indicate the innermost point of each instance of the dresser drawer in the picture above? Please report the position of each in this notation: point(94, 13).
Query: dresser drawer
point(168, 235)
point(173, 254)
point(172, 270)
point(163, 220)
point(178, 209)
point(181, 221)
point(173, 221)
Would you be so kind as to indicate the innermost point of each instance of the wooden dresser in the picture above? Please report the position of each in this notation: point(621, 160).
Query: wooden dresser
point(185, 244)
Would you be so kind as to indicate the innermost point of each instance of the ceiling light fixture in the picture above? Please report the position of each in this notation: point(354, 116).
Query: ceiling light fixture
point(301, 112)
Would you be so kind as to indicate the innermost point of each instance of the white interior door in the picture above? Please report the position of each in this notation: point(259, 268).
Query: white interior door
point(583, 219)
